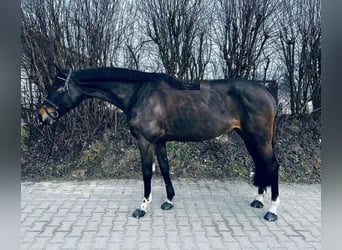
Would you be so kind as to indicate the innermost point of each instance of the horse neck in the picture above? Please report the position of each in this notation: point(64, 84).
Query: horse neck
point(117, 93)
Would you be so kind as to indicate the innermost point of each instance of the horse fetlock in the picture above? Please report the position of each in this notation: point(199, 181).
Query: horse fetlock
point(170, 192)
point(259, 199)
point(274, 206)
point(271, 215)
point(146, 202)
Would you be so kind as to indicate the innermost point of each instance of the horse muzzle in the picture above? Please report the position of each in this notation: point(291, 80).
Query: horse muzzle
point(47, 115)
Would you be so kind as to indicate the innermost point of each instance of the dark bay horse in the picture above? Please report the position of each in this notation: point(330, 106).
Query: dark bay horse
point(159, 109)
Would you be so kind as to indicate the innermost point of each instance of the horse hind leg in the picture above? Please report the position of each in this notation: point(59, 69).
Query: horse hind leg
point(271, 215)
point(266, 172)
point(268, 176)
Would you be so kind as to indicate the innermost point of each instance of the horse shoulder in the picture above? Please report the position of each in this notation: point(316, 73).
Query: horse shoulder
point(147, 115)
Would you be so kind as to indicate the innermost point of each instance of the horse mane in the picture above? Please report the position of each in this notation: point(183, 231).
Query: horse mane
point(129, 75)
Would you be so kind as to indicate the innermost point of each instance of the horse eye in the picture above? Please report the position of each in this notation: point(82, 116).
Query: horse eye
point(60, 90)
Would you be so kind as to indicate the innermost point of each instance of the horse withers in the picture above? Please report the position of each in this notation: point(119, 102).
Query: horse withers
point(160, 108)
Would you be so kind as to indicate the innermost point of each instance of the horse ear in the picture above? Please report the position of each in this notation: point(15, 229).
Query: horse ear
point(58, 69)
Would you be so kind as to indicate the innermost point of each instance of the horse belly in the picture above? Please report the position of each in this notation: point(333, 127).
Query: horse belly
point(195, 129)
point(198, 116)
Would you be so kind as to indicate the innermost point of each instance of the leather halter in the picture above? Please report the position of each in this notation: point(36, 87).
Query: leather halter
point(56, 106)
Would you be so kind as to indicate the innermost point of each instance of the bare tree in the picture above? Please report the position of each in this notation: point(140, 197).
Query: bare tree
point(175, 27)
point(73, 34)
point(243, 29)
point(39, 34)
point(300, 42)
point(69, 33)
point(135, 41)
point(97, 30)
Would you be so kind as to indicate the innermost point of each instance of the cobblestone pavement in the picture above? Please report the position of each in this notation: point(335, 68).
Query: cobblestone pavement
point(207, 215)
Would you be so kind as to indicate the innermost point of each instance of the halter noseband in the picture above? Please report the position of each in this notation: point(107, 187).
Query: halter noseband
point(66, 87)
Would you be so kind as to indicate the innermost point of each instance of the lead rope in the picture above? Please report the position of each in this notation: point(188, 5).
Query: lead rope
point(53, 141)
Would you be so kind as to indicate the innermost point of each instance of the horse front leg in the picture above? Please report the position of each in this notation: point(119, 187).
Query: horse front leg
point(146, 153)
point(165, 170)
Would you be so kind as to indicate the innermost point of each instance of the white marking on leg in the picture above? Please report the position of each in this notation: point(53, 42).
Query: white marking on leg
point(146, 202)
point(168, 201)
point(260, 197)
point(274, 206)
point(153, 167)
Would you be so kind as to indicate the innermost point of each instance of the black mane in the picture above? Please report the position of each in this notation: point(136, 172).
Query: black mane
point(128, 75)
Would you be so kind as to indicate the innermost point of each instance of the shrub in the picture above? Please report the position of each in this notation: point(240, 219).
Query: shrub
point(23, 136)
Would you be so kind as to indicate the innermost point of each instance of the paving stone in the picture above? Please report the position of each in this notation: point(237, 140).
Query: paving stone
point(76, 231)
point(70, 242)
point(40, 242)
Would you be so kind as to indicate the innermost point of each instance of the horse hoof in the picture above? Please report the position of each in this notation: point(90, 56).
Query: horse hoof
point(257, 204)
point(166, 205)
point(138, 213)
point(269, 216)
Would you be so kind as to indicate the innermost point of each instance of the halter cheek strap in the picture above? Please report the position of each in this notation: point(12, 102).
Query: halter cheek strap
point(66, 87)
point(66, 84)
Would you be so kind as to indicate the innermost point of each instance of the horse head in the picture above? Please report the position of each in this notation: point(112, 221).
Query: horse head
point(62, 97)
